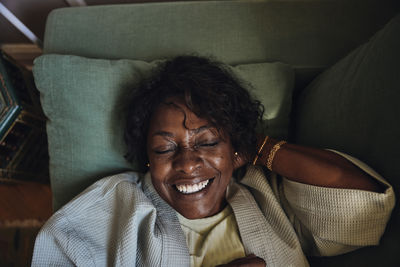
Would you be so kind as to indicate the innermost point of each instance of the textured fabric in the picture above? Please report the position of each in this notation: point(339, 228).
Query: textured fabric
point(354, 107)
point(121, 221)
point(82, 100)
point(310, 33)
point(213, 240)
point(272, 84)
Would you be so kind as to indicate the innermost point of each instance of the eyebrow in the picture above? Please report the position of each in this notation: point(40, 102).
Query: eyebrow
point(163, 133)
point(200, 129)
point(193, 131)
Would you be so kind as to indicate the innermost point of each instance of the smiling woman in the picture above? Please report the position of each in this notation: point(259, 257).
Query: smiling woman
point(190, 126)
point(190, 163)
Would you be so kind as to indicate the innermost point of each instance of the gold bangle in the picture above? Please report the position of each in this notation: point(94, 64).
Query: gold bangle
point(259, 151)
point(271, 155)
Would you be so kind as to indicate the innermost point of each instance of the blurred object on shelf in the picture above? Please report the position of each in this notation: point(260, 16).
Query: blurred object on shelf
point(22, 54)
point(24, 203)
point(23, 140)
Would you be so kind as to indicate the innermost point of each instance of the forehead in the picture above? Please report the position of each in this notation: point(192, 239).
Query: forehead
point(173, 114)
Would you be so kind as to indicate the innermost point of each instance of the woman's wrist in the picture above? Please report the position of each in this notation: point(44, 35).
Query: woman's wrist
point(271, 155)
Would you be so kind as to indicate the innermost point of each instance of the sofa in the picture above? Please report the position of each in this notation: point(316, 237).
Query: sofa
point(334, 84)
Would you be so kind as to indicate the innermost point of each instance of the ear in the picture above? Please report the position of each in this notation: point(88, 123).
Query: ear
point(239, 160)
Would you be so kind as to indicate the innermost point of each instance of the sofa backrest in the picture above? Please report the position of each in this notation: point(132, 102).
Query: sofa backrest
point(309, 35)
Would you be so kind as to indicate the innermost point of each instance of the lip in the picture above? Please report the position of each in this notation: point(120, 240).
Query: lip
point(195, 195)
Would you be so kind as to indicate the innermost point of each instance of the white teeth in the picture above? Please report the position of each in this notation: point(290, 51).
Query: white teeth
point(192, 188)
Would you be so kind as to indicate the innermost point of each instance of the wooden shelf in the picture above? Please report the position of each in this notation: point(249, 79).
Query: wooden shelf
point(24, 208)
point(24, 201)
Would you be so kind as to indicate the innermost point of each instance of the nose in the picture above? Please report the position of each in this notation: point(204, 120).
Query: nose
point(187, 161)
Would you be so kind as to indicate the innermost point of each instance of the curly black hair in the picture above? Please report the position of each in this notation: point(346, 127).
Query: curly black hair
point(209, 89)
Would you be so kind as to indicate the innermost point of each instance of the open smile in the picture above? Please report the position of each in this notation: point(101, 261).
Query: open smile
point(193, 188)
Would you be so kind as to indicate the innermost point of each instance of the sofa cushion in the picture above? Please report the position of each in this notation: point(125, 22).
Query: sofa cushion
point(82, 99)
point(354, 107)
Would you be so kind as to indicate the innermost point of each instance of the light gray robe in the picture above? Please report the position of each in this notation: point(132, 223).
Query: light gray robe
point(121, 221)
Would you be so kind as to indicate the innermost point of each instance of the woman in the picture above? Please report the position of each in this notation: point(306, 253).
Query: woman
point(190, 127)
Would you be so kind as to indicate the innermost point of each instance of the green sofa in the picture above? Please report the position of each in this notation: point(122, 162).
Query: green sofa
point(338, 100)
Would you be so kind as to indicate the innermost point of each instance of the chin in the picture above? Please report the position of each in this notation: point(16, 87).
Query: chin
point(193, 216)
point(191, 212)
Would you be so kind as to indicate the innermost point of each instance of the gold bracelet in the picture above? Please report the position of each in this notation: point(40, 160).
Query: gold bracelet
point(259, 151)
point(271, 155)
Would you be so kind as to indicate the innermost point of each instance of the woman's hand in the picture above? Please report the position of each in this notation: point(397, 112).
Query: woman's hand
point(248, 261)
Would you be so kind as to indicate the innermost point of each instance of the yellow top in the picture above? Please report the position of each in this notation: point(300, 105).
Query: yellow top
point(213, 240)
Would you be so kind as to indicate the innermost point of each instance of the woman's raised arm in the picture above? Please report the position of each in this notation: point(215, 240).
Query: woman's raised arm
point(314, 166)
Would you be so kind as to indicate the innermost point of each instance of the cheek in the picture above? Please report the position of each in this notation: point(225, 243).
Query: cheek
point(159, 182)
point(223, 162)
point(159, 163)
point(159, 170)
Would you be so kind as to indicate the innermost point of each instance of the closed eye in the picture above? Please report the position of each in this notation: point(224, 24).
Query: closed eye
point(162, 151)
point(209, 144)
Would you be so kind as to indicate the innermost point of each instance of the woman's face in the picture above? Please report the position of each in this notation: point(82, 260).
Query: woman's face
point(191, 164)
